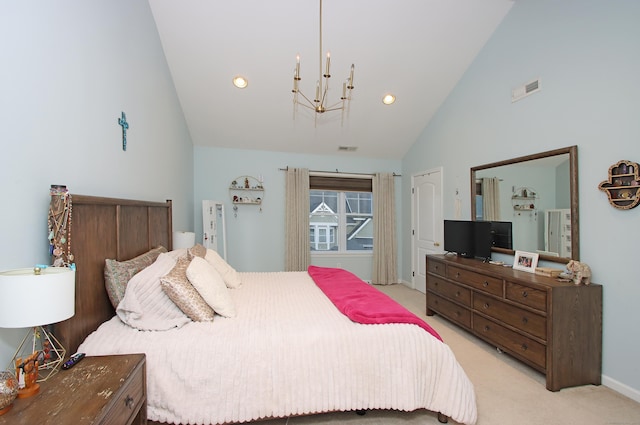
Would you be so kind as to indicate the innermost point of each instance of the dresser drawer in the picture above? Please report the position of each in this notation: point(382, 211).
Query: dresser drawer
point(436, 267)
point(450, 310)
point(513, 342)
point(128, 399)
point(522, 319)
point(491, 285)
point(449, 290)
point(530, 297)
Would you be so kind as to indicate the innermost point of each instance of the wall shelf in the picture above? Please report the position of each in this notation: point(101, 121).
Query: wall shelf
point(246, 190)
point(524, 199)
point(623, 185)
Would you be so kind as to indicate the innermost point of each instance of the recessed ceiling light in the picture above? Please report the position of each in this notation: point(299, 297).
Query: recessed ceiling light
point(388, 99)
point(240, 82)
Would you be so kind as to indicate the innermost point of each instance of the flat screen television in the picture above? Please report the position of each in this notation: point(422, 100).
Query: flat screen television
point(482, 239)
point(471, 239)
point(502, 234)
point(458, 237)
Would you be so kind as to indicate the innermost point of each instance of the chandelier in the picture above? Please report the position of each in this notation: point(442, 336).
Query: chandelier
point(319, 102)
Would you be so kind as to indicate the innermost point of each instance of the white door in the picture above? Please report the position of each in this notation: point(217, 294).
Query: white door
point(426, 218)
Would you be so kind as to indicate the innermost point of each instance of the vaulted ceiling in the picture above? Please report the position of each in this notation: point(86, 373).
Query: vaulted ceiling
point(416, 49)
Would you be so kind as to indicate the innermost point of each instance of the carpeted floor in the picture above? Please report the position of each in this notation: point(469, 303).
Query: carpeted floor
point(508, 393)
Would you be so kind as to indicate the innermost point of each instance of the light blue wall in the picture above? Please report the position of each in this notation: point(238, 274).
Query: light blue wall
point(255, 240)
point(68, 69)
point(587, 54)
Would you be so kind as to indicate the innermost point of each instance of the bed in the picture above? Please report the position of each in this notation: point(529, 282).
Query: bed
point(288, 350)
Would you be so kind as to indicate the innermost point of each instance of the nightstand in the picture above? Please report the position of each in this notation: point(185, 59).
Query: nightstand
point(102, 390)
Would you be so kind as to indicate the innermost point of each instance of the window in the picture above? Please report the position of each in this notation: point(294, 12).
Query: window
point(341, 220)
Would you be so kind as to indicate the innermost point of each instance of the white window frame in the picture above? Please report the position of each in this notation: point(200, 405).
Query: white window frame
point(341, 228)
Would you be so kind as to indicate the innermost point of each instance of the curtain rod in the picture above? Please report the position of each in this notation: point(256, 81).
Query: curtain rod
point(340, 172)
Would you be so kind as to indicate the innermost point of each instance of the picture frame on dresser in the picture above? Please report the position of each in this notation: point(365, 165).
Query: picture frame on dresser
point(525, 261)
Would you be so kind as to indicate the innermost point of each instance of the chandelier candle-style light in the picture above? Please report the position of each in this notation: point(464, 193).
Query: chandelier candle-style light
point(319, 102)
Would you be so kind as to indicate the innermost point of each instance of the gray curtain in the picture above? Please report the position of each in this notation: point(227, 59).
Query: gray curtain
point(385, 245)
point(297, 255)
point(491, 198)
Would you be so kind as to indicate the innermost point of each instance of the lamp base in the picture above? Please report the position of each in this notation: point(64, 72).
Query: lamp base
point(51, 352)
point(28, 392)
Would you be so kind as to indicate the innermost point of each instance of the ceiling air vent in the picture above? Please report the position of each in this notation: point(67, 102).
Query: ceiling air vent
point(347, 148)
point(525, 90)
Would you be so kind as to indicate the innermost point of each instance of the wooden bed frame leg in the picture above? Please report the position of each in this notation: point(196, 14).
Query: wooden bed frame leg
point(442, 418)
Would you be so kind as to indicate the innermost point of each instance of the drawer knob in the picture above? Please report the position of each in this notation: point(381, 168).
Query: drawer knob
point(128, 402)
point(486, 328)
point(457, 274)
point(525, 294)
point(485, 283)
point(486, 306)
point(457, 313)
point(524, 347)
point(457, 293)
point(525, 320)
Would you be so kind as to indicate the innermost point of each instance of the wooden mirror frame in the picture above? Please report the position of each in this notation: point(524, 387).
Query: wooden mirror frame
point(573, 191)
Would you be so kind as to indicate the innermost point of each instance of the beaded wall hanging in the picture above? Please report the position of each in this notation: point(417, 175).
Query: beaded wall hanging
point(60, 213)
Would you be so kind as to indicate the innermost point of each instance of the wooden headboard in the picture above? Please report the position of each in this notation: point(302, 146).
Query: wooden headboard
point(105, 228)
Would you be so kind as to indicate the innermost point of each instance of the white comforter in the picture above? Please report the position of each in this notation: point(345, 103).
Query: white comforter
point(288, 352)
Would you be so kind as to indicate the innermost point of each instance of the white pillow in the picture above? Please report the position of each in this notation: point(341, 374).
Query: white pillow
point(228, 273)
point(145, 306)
point(208, 282)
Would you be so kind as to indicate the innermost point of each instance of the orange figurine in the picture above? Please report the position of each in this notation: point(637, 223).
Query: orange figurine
point(27, 375)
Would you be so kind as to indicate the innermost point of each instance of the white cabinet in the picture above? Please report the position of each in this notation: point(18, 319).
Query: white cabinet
point(213, 227)
point(557, 232)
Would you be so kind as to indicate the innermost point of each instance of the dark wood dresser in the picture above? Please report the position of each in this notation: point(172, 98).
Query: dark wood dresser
point(104, 390)
point(554, 327)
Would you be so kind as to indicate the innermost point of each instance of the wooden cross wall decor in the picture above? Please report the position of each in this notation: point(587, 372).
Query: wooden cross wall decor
point(122, 121)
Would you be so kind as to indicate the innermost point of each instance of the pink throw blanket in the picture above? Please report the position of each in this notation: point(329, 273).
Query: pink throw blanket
point(360, 301)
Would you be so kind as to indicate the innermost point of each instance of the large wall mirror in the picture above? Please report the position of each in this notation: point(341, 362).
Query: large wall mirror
point(538, 194)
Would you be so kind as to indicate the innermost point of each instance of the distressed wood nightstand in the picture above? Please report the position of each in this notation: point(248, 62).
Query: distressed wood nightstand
point(102, 390)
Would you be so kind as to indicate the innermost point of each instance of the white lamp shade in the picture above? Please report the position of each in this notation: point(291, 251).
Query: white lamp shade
point(183, 240)
point(29, 300)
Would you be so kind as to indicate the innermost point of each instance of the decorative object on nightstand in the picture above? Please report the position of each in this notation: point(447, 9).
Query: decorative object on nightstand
point(623, 185)
point(8, 391)
point(35, 298)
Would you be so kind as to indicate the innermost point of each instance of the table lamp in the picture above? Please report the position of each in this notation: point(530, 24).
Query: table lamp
point(34, 298)
point(183, 240)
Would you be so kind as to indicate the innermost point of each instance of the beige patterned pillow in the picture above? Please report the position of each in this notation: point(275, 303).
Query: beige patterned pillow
point(198, 251)
point(118, 273)
point(178, 288)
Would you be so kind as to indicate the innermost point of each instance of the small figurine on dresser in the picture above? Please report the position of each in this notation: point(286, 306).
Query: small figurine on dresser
point(580, 271)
